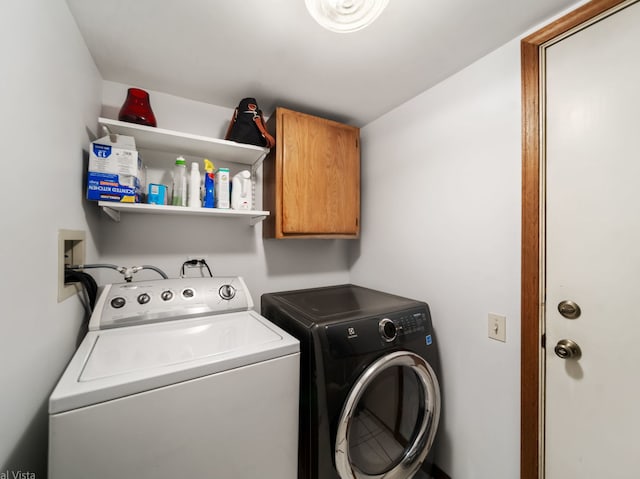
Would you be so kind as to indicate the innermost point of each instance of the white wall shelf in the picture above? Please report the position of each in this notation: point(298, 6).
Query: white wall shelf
point(159, 139)
point(179, 143)
point(113, 210)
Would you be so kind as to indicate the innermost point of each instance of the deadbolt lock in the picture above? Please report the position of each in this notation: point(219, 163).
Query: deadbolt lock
point(569, 309)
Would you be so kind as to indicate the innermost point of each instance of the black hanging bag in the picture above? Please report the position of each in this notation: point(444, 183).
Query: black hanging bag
point(247, 125)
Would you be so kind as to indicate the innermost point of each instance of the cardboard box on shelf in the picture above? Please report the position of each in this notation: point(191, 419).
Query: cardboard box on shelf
point(115, 170)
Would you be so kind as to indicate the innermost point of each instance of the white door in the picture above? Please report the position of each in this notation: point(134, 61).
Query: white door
point(592, 404)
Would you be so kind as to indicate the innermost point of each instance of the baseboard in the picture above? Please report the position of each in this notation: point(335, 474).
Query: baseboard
point(438, 473)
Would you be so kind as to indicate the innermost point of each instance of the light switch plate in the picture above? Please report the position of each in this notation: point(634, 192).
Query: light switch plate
point(497, 327)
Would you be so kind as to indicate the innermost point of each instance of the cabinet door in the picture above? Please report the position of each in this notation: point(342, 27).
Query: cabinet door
point(320, 176)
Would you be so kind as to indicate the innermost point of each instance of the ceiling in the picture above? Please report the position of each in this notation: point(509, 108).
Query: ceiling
point(219, 51)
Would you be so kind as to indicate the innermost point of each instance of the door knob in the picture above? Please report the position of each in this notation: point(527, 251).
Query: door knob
point(567, 349)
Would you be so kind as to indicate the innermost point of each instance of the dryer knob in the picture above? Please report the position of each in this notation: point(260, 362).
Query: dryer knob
point(388, 330)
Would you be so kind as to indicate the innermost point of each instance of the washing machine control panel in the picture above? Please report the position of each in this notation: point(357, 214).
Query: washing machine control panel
point(411, 323)
point(140, 302)
point(361, 336)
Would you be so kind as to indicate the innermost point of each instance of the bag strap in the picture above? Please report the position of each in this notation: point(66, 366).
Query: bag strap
point(231, 123)
point(259, 121)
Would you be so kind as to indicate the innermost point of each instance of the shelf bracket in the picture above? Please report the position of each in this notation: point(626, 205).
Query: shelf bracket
point(112, 136)
point(258, 163)
point(254, 220)
point(111, 213)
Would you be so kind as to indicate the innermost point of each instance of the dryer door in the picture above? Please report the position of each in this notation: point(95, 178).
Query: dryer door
point(389, 420)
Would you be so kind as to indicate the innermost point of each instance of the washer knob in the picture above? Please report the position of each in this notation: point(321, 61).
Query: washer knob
point(227, 291)
point(167, 295)
point(118, 302)
point(144, 298)
point(387, 329)
point(188, 293)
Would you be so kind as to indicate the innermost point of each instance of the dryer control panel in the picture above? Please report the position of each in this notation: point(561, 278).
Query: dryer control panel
point(362, 336)
point(141, 302)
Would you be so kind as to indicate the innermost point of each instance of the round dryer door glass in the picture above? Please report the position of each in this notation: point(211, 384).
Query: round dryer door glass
point(389, 420)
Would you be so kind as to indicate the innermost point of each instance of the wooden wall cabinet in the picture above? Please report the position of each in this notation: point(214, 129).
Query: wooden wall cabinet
point(311, 178)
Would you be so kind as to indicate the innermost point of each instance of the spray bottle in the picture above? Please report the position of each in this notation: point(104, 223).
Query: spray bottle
point(179, 190)
point(209, 197)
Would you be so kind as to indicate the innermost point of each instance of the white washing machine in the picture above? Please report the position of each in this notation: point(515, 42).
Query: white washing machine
point(177, 378)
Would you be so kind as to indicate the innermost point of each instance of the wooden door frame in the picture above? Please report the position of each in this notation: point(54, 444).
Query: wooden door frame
point(531, 374)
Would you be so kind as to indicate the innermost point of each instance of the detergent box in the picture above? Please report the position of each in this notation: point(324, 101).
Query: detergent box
point(115, 170)
point(222, 188)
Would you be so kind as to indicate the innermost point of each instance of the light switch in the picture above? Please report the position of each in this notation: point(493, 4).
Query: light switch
point(497, 327)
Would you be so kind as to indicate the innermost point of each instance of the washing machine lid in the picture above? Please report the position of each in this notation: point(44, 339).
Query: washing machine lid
point(114, 363)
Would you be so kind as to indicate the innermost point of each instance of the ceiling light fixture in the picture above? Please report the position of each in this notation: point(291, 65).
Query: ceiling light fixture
point(345, 16)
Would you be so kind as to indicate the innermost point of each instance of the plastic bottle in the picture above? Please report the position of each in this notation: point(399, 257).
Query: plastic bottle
point(194, 186)
point(241, 191)
point(179, 192)
point(209, 196)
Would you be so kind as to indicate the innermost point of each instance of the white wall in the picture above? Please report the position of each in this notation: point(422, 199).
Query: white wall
point(441, 223)
point(231, 246)
point(50, 97)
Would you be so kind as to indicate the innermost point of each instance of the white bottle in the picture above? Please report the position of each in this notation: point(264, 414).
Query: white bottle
point(179, 191)
point(241, 191)
point(194, 187)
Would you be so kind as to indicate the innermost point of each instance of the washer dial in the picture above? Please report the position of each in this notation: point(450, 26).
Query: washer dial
point(166, 295)
point(144, 298)
point(118, 302)
point(227, 291)
point(188, 293)
point(388, 330)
